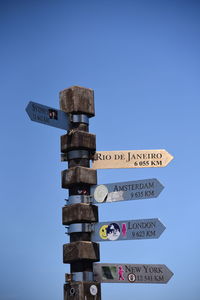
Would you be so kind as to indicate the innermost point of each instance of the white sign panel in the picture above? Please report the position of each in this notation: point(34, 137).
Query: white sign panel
point(130, 190)
point(131, 159)
point(131, 273)
point(127, 230)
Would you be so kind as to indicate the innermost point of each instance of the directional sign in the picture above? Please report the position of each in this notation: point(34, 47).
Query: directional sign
point(131, 159)
point(131, 273)
point(130, 190)
point(127, 230)
point(47, 115)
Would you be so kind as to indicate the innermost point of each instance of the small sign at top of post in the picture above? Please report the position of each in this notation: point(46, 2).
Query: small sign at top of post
point(47, 115)
point(131, 159)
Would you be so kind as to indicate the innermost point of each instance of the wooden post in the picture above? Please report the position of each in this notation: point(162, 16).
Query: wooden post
point(77, 147)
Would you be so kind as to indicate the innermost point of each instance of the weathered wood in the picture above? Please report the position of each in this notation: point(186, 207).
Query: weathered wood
point(82, 291)
point(78, 100)
point(80, 250)
point(79, 213)
point(80, 253)
point(78, 175)
point(78, 140)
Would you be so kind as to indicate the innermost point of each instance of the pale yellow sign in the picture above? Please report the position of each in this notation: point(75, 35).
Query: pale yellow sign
point(131, 159)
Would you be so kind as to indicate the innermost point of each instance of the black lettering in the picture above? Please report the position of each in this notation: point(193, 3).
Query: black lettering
point(149, 193)
point(146, 269)
point(119, 156)
point(159, 277)
point(107, 157)
point(115, 189)
point(128, 269)
point(98, 156)
point(148, 277)
point(129, 157)
point(151, 185)
point(151, 233)
point(39, 109)
point(42, 118)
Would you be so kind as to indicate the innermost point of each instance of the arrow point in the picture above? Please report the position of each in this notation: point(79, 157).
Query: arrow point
point(161, 186)
point(161, 228)
point(27, 108)
point(170, 273)
point(171, 157)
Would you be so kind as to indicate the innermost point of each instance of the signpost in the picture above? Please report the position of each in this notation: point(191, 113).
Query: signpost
point(47, 115)
point(127, 230)
point(131, 159)
point(131, 273)
point(81, 216)
point(130, 190)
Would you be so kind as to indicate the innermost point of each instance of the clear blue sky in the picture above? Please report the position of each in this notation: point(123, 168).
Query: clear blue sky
point(142, 60)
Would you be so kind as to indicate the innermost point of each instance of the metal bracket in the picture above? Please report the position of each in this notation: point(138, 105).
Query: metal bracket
point(82, 276)
point(80, 119)
point(79, 199)
point(80, 227)
point(75, 154)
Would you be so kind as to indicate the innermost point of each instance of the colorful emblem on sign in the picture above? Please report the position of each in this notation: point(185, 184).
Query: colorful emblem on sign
point(120, 273)
point(100, 193)
point(113, 231)
point(103, 232)
point(93, 290)
point(131, 277)
point(124, 229)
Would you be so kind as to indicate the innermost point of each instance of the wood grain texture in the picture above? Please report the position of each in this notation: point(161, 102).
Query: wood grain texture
point(78, 100)
point(79, 213)
point(78, 175)
point(81, 250)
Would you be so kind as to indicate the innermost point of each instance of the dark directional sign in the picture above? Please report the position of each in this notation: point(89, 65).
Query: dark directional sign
point(131, 159)
point(131, 273)
point(47, 115)
point(130, 190)
point(127, 230)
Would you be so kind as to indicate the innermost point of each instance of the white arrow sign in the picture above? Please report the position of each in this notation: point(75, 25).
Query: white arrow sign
point(127, 230)
point(131, 159)
point(131, 273)
point(130, 190)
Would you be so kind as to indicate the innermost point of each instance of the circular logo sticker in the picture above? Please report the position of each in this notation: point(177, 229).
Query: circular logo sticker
point(131, 277)
point(113, 231)
point(93, 290)
point(103, 232)
point(100, 193)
